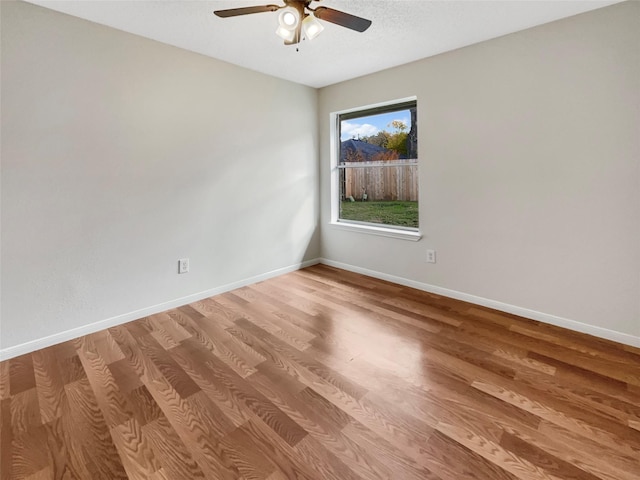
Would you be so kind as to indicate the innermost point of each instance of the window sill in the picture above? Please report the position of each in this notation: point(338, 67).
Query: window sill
point(381, 231)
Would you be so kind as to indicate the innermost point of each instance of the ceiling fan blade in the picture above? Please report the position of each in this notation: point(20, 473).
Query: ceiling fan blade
point(341, 18)
point(234, 12)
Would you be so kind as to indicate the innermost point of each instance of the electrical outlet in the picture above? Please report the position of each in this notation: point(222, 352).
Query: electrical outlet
point(431, 256)
point(183, 265)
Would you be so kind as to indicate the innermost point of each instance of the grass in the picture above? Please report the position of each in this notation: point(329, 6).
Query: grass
point(404, 214)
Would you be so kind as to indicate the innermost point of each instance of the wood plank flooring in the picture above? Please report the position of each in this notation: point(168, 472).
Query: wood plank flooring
point(324, 374)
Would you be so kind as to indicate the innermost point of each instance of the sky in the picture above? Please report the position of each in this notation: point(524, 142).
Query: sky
point(367, 126)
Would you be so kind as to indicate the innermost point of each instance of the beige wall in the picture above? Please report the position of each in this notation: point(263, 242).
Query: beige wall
point(529, 151)
point(121, 155)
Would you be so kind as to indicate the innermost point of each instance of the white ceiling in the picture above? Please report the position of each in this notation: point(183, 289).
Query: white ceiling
point(402, 31)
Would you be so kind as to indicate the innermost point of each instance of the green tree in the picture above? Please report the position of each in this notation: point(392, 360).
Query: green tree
point(398, 125)
point(395, 140)
point(398, 139)
point(380, 139)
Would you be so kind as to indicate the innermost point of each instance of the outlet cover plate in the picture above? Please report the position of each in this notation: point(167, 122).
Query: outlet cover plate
point(431, 256)
point(183, 265)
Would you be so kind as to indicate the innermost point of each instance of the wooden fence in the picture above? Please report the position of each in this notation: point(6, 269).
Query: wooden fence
point(386, 180)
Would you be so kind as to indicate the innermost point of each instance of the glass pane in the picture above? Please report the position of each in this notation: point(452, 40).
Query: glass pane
point(384, 194)
point(378, 166)
point(379, 137)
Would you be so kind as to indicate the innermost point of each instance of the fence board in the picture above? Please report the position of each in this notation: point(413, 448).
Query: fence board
point(397, 181)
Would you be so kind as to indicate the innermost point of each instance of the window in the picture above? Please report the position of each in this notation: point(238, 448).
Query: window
point(376, 169)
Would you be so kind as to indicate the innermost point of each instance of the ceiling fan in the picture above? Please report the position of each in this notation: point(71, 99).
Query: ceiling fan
point(297, 17)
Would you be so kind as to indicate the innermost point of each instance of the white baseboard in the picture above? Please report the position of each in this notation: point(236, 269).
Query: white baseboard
point(50, 340)
point(600, 332)
point(60, 337)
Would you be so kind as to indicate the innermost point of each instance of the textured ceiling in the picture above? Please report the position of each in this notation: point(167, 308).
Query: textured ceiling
point(402, 31)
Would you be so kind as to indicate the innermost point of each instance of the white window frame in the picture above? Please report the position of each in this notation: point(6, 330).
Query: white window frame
point(350, 225)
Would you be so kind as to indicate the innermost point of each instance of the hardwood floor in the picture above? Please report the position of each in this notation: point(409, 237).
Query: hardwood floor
point(324, 374)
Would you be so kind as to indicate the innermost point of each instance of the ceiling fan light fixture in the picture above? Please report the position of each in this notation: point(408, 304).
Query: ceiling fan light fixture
point(312, 27)
point(289, 18)
point(285, 33)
